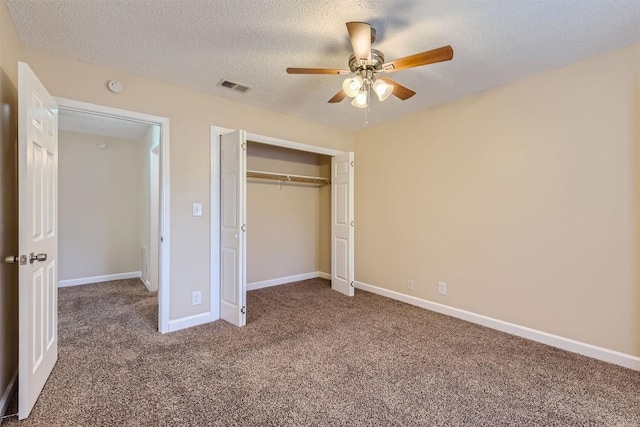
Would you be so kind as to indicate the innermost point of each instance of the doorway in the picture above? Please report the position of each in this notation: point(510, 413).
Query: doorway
point(152, 252)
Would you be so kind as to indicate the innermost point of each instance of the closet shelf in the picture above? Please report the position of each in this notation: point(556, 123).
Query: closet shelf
point(283, 177)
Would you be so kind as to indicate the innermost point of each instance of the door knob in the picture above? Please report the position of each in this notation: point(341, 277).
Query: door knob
point(15, 259)
point(40, 257)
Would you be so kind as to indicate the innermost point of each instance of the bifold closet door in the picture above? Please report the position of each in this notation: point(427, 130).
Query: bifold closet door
point(233, 148)
point(342, 223)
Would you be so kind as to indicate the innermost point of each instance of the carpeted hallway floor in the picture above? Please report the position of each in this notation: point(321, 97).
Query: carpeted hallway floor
point(310, 356)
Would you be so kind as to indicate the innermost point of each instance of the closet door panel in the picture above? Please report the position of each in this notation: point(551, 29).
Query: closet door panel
point(341, 249)
point(342, 224)
point(232, 228)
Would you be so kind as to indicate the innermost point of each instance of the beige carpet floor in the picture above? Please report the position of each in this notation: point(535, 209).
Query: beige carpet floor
point(312, 357)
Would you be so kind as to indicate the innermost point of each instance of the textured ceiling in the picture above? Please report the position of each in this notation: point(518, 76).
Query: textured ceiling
point(196, 43)
point(95, 124)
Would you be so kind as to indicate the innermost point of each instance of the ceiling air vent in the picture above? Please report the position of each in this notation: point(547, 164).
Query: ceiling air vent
point(233, 86)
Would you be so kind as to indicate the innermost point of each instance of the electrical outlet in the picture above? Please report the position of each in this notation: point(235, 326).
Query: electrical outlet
point(410, 285)
point(442, 288)
point(196, 298)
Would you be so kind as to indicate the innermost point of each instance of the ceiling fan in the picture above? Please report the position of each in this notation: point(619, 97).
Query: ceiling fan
point(365, 63)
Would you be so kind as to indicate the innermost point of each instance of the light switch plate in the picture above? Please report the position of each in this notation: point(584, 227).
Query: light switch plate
point(197, 209)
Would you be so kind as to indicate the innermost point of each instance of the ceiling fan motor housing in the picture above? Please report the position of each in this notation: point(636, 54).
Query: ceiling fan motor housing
point(377, 59)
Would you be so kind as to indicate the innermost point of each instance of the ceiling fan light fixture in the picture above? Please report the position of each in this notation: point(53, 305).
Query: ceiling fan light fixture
point(382, 89)
point(360, 100)
point(352, 85)
point(365, 62)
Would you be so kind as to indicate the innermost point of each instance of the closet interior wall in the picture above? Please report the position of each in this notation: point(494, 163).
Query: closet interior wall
point(288, 223)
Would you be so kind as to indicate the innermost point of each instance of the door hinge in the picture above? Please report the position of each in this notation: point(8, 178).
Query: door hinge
point(161, 239)
point(352, 165)
point(352, 223)
point(244, 227)
point(244, 146)
point(243, 310)
point(352, 283)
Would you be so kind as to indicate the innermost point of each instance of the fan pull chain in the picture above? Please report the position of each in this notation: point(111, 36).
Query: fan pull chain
point(366, 110)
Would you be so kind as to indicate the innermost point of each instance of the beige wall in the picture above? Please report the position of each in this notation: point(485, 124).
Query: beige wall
point(191, 114)
point(523, 199)
point(99, 206)
point(8, 200)
point(284, 223)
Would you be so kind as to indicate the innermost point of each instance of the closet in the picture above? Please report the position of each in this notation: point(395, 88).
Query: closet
point(286, 214)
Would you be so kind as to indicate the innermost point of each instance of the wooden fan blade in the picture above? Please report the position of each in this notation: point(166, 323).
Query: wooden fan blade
point(360, 35)
point(316, 71)
point(399, 91)
point(338, 97)
point(429, 57)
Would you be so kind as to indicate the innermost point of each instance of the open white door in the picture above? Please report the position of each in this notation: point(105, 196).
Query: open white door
point(342, 223)
point(38, 237)
point(232, 228)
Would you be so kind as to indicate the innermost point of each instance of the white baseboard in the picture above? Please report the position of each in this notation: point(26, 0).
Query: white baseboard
point(147, 284)
point(98, 279)
point(600, 353)
point(324, 275)
point(201, 319)
point(8, 393)
point(282, 280)
point(190, 321)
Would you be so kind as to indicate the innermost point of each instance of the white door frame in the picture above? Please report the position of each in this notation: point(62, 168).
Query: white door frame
point(165, 242)
point(293, 145)
point(216, 132)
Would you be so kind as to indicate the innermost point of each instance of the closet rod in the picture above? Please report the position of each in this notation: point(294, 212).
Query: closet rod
point(287, 177)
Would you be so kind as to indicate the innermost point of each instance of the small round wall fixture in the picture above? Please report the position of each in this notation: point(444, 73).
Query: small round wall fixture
point(102, 145)
point(115, 86)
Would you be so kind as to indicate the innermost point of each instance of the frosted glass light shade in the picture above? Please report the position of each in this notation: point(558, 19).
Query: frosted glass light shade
point(382, 89)
point(360, 100)
point(351, 85)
